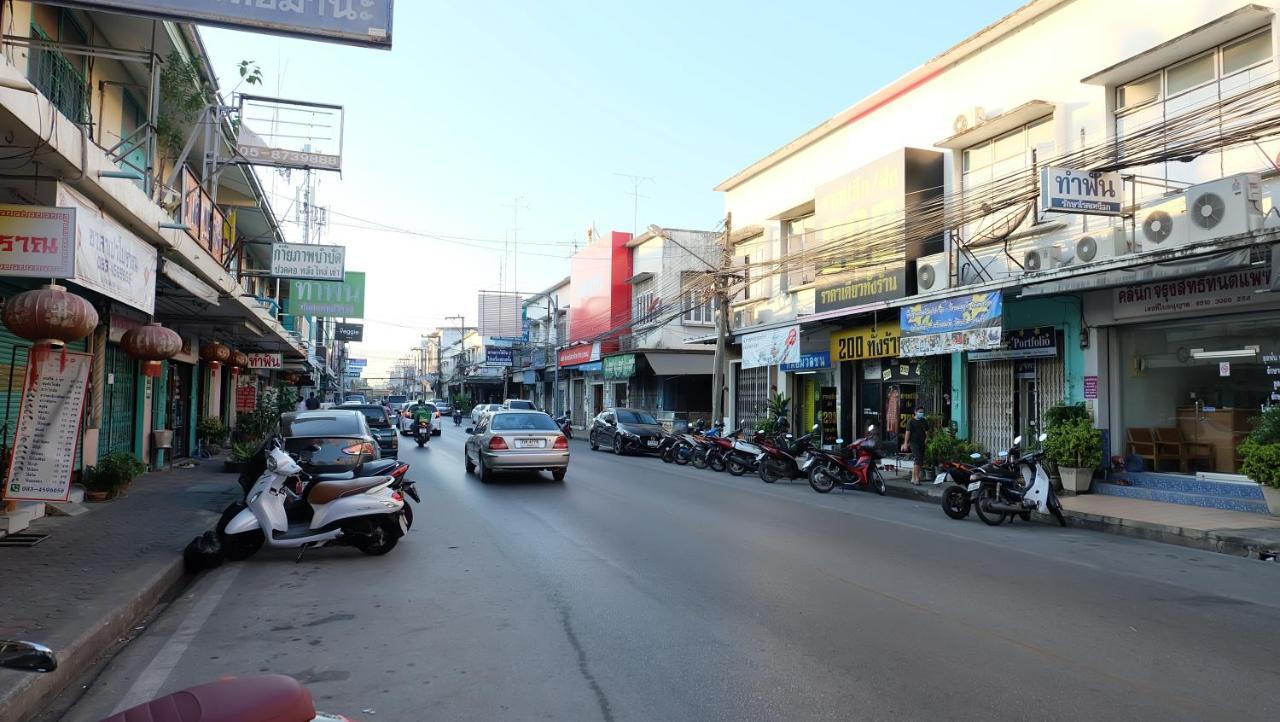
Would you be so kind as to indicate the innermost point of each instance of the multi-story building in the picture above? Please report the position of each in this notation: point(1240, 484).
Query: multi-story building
point(599, 314)
point(548, 316)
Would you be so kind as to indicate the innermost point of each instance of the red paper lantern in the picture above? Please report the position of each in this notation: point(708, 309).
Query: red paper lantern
point(49, 314)
point(215, 353)
point(152, 343)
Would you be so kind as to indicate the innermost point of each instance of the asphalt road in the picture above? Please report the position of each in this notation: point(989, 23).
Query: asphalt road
point(637, 590)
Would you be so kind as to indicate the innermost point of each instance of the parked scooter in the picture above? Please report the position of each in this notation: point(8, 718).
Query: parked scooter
point(719, 449)
point(742, 457)
point(1000, 497)
point(786, 462)
point(856, 465)
point(364, 512)
point(957, 500)
point(422, 432)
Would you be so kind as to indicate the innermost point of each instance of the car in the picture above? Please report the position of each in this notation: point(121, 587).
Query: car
point(354, 399)
point(625, 431)
point(511, 440)
point(519, 404)
point(380, 424)
point(406, 417)
point(445, 407)
point(395, 401)
point(480, 410)
point(332, 441)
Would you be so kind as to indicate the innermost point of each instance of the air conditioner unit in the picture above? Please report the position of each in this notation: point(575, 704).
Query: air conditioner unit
point(1102, 245)
point(1163, 223)
point(1226, 207)
point(933, 273)
point(1044, 258)
point(982, 269)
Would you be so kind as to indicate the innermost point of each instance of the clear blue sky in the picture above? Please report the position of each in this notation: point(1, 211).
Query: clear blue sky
point(480, 102)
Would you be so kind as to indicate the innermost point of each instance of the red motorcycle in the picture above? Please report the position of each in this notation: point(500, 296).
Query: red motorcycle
point(789, 460)
point(856, 465)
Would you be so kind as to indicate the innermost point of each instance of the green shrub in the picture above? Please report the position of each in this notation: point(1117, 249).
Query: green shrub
point(1063, 413)
point(1261, 462)
point(1266, 428)
point(211, 430)
point(943, 445)
point(1074, 443)
point(114, 471)
point(244, 450)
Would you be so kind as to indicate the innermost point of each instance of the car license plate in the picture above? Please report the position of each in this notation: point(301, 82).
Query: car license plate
point(652, 442)
point(974, 486)
point(530, 443)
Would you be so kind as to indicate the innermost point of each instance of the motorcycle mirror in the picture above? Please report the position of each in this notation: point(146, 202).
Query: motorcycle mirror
point(1042, 437)
point(975, 455)
point(27, 656)
point(839, 441)
point(789, 436)
point(1017, 440)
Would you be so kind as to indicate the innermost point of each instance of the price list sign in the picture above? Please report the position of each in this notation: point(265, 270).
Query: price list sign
point(44, 446)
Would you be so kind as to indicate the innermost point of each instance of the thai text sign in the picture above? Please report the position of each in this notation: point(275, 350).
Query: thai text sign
point(771, 348)
point(827, 413)
point(1192, 295)
point(265, 361)
point(885, 283)
point(308, 262)
point(580, 354)
point(963, 323)
point(1067, 190)
point(865, 342)
point(246, 397)
point(810, 362)
point(44, 445)
point(110, 259)
point(1038, 342)
point(328, 298)
point(497, 355)
point(37, 242)
point(620, 367)
point(353, 22)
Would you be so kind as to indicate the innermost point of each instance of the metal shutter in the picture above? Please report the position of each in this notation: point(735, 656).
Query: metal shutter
point(1051, 383)
point(752, 402)
point(991, 406)
point(119, 402)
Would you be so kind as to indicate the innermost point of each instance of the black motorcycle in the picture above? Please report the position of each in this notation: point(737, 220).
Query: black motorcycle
point(457, 417)
point(789, 461)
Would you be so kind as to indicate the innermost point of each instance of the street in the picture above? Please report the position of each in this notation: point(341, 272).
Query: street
point(638, 590)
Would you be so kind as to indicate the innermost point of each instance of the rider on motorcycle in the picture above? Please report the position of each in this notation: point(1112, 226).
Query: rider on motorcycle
point(457, 415)
point(421, 413)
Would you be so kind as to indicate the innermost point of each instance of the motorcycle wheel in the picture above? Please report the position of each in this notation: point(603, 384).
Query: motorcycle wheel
point(681, 456)
point(877, 483)
point(698, 459)
point(379, 540)
point(769, 472)
point(1025, 516)
point(955, 502)
point(715, 462)
point(821, 478)
point(1056, 509)
point(990, 518)
point(669, 456)
point(735, 467)
point(408, 515)
point(237, 547)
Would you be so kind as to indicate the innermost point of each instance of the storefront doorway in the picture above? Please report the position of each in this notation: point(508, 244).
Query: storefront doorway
point(119, 402)
point(620, 394)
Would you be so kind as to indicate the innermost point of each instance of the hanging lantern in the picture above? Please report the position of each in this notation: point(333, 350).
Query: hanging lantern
point(215, 353)
point(152, 343)
point(239, 361)
point(49, 314)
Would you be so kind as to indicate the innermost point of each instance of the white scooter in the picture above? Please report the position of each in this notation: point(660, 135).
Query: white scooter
point(365, 513)
point(997, 499)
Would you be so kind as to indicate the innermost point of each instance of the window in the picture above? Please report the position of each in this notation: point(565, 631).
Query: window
point(699, 307)
point(376, 416)
point(59, 77)
point(799, 235)
point(1246, 53)
point(985, 164)
point(340, 423)
point(1139, 92)
point(1191, 74)
point(523, 422)
point(645, 308)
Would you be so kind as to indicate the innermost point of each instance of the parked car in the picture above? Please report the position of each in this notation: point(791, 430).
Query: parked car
point(625, 431)
point(380, 424)
point(446, 408)
point(329, 441)
point(519, 405)
point(481, 409)
point(510, 440)
point(406, 418)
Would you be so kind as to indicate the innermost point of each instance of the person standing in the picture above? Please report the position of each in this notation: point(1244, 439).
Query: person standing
point(917, 433)
point(312, 402)
point(301, 405)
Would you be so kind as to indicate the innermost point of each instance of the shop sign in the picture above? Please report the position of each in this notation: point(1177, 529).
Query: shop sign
point(1091, 387)
point(866, 342)
point(246, 397)
point(328, 298)
point(357, 363)
point(575, 355)
point(620, 367)
point(351, 332)
point(810, 362)
point(1068, 190)
point(827, 408)
point(590, 367)
point(266, 361)
point(497, 355)
point(308, 262)
point(48, 429)
point(963, 323)
point(110, 259)
point(1192, 295)
point(37, 242)
point(886, 283)
point(771, 348)
point(1038, 342)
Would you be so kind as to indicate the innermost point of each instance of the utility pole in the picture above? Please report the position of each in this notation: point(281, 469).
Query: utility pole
point(462, 320)
point(722, 322)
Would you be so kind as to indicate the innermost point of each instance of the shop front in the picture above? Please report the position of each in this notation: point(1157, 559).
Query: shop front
point(808, 377)
point(582, 381)
point(1017, 383)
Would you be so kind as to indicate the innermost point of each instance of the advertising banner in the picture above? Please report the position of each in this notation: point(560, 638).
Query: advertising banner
point(37, 242)
point(308, 262)
point(328, 298)
point(48, 430)
point(109, 258)
point(353, 332)
point(246, 397)
point(265, 361)
point(771, 348)
point(499, 315)
point(963, 323)
point(866, 342)
point(1192, 295)
point(847, 290)
point(810, 362)
point(620, 367)
point(1024, 343)
point(1067, 190)
point(581, 354)
point(497, 356)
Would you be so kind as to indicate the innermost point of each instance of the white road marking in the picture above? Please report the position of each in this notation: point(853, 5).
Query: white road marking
point(152, 679)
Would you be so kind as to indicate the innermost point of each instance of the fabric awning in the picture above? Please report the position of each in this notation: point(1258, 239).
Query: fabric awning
point(680, 364)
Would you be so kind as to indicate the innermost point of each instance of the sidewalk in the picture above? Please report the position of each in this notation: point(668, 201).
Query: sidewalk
point(98, 574)
point(1227, 532)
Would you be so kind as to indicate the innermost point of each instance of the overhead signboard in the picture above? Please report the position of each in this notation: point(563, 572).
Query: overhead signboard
point(500, 315)
point(265, 361)
point(856, 288)
point(37, 242)
point(497, 355)
point(1067, 190)
point(357, 363)
point(109, 258)
point(44, 446)
point(771, 348)
point(351, 22)
point(866, 342)
point(964, 323)
point(308, 262)
point(814, 361)
point(286, 133)
point(353, 332)
point(619, 367)
point(1023, 343)
point(328, 298)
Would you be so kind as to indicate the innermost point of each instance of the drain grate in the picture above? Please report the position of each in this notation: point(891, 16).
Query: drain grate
point(22, 540)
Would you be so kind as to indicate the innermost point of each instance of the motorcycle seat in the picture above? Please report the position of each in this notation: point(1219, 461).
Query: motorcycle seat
point(326, 491)
point(234, 699)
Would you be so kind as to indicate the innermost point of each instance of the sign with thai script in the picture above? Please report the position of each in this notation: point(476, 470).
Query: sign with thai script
point(1067, 190)
point(866, 342)
point(963, 323)
point(1214, 292)
point(48, 430)
point(357, 363)
point(37, 242)
point(620, 367)
point(846, 290)
point(353, 332)
point(308, 262)
point(352, 22)
point(810, 362)
point(828, 413)
point(581, 354)
point(1038, 342)
point(109, 258)
point(1091, 387)
point(771, 348)
point(328, 298)
point(497, 355)
point(247, 396)
point(265, 361)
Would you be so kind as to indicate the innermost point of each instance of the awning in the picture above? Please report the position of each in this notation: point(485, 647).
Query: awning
point(680, 364)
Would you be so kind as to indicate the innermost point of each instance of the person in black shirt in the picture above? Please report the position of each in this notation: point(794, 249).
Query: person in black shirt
point(917, 433)
point(312, 402)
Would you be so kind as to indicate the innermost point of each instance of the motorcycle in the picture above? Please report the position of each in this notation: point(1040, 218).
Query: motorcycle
point(565, 427)
point(457, 417)
point(422, 432)
point(998, 498)
point(259, 698)
point(786, 462)
point(719, 449)
point(364, 512)
point(856, 465)
point(957, 500)
point(742, 457)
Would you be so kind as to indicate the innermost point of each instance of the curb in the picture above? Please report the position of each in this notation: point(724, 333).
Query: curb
point(29, 696)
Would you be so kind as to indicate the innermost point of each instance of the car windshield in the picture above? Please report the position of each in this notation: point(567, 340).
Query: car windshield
point(522, 422)
point(627, 416)
point(375, 415)
point(332, 423)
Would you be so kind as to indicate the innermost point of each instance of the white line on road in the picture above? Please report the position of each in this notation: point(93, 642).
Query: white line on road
point(162, 665)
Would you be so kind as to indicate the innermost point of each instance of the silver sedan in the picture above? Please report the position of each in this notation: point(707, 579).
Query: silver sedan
point(510, 440)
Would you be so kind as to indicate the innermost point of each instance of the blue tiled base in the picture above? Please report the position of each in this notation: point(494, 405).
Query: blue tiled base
point(1186, 484)
point(1228, 503)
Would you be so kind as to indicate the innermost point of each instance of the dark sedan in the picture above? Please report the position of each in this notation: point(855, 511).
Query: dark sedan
point(380, 425)
point(625, 431)
point(329, 441)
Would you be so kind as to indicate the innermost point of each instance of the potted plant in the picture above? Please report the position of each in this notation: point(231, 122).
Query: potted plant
point(1260, 457)
point(944, 445)
point(241, 453)
point(1075, 447)
point(210, 431)
point(112, 475)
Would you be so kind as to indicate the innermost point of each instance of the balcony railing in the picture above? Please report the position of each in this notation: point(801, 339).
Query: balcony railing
point(60, 82)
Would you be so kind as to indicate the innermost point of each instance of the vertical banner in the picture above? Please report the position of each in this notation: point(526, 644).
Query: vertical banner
point(44, 445)
point(828, 411)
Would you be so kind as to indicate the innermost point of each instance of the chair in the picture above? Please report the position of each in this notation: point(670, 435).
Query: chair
point(1143, 445)
point(1171, 442)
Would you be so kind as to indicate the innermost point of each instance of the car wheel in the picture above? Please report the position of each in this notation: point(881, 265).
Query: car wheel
point(591, 439)
point(558, 474)
point(617, 445)
point(482, 471)
point(466, 461)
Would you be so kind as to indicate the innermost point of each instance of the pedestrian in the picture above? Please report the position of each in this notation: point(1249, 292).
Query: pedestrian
point(917, 433)
point(301, 405)
point(312, 402)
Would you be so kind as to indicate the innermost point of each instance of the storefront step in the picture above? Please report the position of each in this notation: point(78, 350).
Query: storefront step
point(1187, 484)
point(1208, 501)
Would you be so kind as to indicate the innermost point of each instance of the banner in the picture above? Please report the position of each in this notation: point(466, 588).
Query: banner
point(265, 361)
point(48, 430)
point(1192, 295)
point(1067, 190)
point(620, 367)
point(246, 397)
point(308, 262)
point(866, 342)
point(963, 323)
point(327, 298)
point(581, 354)
point(109, 258)
point(771, 348)
point(497, 355)
point(847, 290)
point(352, 332)
point(357, 363)
point(37, 242)
point(1024, 343)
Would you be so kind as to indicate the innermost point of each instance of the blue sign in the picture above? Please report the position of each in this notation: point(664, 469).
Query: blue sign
point(592, 366)
point(976, 310)
point(497, 356)
point(357, 363)
point(538, 358)
point(525, 333)
point(810, 362)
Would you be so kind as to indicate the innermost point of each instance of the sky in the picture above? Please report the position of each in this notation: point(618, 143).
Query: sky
point(549, 106)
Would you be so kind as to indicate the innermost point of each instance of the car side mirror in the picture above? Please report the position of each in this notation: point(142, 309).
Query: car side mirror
point(27, 656)
point(470, 430)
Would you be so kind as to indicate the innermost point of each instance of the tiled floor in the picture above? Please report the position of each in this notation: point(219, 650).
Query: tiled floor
point(1156, 512)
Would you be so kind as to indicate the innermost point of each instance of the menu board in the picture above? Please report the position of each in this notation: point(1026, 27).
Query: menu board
point(246, 397)
point(44, 446)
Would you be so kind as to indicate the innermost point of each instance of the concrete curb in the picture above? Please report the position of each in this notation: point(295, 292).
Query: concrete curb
point(29, 696)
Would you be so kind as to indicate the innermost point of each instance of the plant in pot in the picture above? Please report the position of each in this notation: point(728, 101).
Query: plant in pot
point(1076, 448)
point(210, 431)
point(1260, 457)
point(112, 475)
point(944, 445)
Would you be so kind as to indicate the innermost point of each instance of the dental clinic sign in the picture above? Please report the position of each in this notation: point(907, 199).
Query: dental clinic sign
point(308, 262)
point(1067, 190)
point(352, 22)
